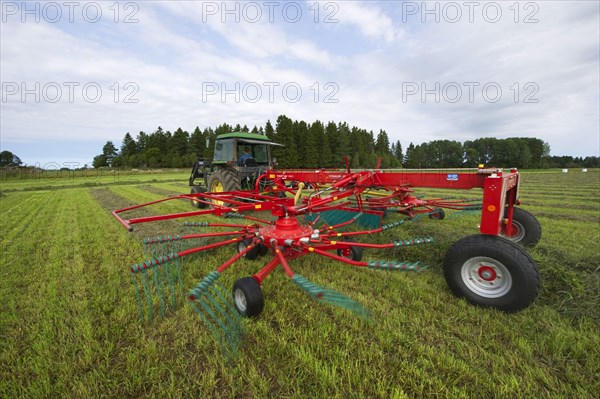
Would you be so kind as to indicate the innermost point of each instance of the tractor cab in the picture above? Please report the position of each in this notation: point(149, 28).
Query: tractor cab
point(239, 159)
point(231, 148)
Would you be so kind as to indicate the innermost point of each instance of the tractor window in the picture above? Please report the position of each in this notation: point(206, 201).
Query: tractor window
point(260, 153)
point(224, 151)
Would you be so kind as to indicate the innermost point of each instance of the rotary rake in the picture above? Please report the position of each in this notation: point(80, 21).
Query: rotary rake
point(486, 269)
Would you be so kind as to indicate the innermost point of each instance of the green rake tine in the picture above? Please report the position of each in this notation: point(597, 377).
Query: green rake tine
point(229, 338)
point(137, 295)
point(220, 309)
point(329, 296)
point(167, 270)
point(148, 292)
point(159, 290)
point(223, 296)
point(180, 271)
point(213, 329)
point(210, 312)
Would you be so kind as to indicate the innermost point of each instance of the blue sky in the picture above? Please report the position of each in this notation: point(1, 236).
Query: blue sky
point(421, 71)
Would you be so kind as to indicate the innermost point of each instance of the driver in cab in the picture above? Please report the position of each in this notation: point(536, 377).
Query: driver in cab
point(245, 155)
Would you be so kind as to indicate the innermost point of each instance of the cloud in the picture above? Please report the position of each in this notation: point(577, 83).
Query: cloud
point(370, 20)
point(368, 58)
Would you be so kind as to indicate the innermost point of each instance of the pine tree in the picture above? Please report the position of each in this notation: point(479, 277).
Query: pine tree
point(287, 156)
point(128, 147)
point(109, 151)
point(398, 152)
point(269, 131)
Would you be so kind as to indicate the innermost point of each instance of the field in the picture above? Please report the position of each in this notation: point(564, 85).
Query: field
point(69, 324)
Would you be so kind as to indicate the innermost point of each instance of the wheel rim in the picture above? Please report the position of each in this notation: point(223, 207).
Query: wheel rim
point(346, 253)
point(217, 187)
point(486, 277)
point(516, 233)
point(240, 300)
point(241, 246)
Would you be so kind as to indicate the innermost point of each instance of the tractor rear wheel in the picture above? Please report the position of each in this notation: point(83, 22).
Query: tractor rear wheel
point(491, 271)
point(225, 179)
point(196, 190)
point(248, 297)
point(526, 229)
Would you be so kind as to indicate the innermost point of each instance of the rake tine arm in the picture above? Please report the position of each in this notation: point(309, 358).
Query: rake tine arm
point(208, 224)
point(153, 240)
point(352, 233)
point(209, 246)
point(225, 265)
point(241, 216)
point(395, 244)
point(339, 258)
point(286, 267)
point(265, 271)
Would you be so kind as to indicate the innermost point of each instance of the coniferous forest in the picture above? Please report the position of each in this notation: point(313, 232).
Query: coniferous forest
point(324, 145)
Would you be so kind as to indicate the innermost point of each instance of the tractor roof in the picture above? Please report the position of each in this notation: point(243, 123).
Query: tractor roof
point(245, 137)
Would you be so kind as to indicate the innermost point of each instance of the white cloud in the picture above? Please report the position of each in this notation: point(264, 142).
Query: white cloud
point(170, 53)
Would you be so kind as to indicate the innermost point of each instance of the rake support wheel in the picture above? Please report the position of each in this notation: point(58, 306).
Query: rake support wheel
point(352, 253)
point(526, 229)
point(251, 254)
point(437, 214)
point(248, 297)
point(491, 271)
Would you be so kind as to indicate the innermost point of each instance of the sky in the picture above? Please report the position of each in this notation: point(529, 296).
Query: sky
point(77, 74)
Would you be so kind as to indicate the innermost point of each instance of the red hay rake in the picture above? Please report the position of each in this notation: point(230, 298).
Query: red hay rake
point(487, 269)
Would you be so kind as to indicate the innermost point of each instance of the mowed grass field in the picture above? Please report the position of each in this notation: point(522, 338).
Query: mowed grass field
point(69, 320)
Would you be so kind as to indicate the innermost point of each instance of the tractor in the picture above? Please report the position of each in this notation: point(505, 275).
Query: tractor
point(225, 172)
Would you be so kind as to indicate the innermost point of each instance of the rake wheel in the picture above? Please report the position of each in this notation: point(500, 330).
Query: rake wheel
point(248, 297)
point(526, 229)
point(491, 271)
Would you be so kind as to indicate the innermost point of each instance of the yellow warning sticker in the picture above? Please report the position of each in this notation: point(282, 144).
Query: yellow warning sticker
point(310, 249)
point(333, 242)
point(258, 206)
point(271, 176)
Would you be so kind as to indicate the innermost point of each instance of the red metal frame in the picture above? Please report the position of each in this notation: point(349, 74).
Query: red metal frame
point(500, 194)
point(288, 239)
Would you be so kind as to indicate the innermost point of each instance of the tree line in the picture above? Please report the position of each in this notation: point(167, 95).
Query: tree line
point(324, 145)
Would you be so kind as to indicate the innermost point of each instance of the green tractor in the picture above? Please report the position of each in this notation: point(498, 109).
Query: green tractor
point(239, 159)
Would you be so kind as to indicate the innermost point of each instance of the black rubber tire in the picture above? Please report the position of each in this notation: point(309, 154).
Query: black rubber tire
point(248, 297)
point(355, 253)
point(253, 253)
point(437, 214)
point(529, 230)
point(196, 190)
point(470, 257)
point(227, 177)
point(263, 249)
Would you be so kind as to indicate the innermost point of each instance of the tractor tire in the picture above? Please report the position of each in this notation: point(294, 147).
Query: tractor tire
point(223, 180)
point(491, 271)
point(437, 214)
point(526, 229)
point(197, 204)
point(248, 297)
point(352, 253)
point(253, 253)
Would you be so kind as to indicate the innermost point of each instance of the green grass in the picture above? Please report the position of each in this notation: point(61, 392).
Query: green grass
point(69, 327)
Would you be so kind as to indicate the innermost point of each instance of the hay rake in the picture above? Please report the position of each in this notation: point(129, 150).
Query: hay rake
point(486, 269)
